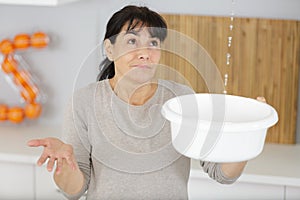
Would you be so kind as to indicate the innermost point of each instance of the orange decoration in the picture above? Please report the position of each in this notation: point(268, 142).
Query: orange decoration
point(22, 41)
point(21, 77)
point(15, 115)
point(39, 40)
point(3, 112)
point(6, 47)
point(33, 110)
point(29, 93)
point(9, 65)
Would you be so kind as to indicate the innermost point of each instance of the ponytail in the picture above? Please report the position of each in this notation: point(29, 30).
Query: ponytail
point(107, 70)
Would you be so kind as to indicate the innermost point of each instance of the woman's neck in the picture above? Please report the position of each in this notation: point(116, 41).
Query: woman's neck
point(133, 93)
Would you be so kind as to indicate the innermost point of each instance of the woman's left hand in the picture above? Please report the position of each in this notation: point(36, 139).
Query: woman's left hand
point(261, 99)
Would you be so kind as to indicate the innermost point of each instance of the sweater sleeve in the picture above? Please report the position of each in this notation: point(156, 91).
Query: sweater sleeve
point(75, 132)
point(215, 172)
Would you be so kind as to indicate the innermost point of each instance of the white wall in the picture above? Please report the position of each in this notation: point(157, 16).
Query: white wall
point(282, 9)
point(77, 28)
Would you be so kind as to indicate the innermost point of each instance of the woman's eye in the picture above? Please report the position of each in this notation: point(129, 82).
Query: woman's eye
point(154, 43)
point(131, 41)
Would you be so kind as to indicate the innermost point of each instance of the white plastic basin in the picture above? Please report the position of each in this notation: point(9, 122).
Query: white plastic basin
point(218, 127)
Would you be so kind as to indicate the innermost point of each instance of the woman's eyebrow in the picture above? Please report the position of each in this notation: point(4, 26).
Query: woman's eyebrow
point(132, 32)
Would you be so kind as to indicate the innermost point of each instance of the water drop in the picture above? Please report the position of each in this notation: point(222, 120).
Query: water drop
point(229, 44)
point(225, 79)
point(229, 41)
point(228, 59)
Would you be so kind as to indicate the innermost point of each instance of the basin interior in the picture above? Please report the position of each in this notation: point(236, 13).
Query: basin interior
point(219, 107)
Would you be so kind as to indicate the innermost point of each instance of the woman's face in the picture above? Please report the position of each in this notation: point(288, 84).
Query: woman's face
point(135, 54)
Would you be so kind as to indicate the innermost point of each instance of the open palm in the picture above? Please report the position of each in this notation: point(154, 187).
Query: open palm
point(55, 151)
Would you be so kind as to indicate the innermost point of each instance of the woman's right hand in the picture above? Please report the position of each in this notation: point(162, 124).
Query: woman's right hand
point(55, 151)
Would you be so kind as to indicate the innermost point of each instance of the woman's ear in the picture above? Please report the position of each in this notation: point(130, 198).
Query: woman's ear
point(108, 49)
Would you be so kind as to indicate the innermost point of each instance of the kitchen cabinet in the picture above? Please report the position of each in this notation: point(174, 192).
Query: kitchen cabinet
point(292, 193)
point(20, 177)
point(45, 185)
point(27, 181)
point(205, 188)
point(36, 2)
point(17, 181)
point(272, 175)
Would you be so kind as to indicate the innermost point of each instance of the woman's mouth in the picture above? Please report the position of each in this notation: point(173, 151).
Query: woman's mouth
point(142, 66)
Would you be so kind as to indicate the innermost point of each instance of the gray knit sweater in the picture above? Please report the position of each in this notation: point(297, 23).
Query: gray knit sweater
point(125, 151)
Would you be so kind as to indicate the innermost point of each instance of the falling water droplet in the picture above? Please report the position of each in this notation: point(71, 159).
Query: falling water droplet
point(226, 79)
point(229, 41)
point(228, 59)
point(229, 44)
point(225, 83)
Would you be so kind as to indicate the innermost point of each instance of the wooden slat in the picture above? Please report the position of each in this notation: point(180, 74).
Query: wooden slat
point(264, 61)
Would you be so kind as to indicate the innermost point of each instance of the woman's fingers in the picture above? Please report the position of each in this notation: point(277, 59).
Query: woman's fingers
point(59, 165)
point(43, 158)
point(50, 164)
point(55, 151)
point(37, 142)
point(261, 99)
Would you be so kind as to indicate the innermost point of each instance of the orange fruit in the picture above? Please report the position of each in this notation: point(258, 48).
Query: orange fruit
point(33, 110)
point(15, 114)
point(6, 47)
point(3, 112)
point(21, 77)
point(29, 93)
point(9, 65)
point(39, 40)
point(22, 41)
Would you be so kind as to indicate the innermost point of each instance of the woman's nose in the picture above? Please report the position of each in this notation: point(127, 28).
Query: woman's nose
point(143, 54)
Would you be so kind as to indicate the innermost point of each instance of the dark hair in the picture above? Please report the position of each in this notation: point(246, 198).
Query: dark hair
point(133, 15)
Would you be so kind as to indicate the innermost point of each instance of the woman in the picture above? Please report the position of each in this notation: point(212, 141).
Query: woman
point(116, 144)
